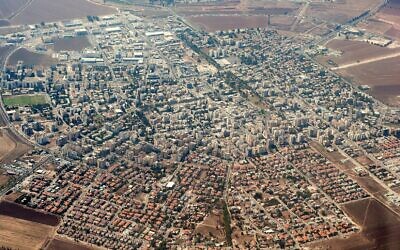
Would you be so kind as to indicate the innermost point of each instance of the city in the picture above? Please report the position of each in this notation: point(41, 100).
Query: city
point(128, 132)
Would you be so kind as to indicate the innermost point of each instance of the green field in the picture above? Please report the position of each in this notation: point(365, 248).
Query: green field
point(24, 100)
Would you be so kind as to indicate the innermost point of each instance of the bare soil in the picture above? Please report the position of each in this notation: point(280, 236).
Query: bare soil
point(71, 44)
point(21, 234)
point(354, 51)
point(382, 76)
point(227, 22)
point(58, 10)
point(212, 225)
point(7, 145)
point(378, 223)
point(30, 58)
point(339, 11)
point(18, 211)
point(8, 7)
point(64, 244)
point(19, 149)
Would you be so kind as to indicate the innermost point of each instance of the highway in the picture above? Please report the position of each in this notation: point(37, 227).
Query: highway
point(372, 11)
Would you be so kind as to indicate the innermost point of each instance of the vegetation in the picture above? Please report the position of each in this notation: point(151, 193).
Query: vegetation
point(25, 100)
point(227, 224)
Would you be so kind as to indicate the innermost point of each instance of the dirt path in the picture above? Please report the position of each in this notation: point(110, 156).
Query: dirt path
point(371, 60)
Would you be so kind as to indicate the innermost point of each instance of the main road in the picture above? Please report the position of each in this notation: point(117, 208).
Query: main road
point(19, 139)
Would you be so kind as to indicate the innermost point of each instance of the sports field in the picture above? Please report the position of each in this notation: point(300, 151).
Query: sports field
point(25, 100)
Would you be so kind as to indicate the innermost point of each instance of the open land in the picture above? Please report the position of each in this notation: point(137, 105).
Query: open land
point(3, 178)
point(379, 225)
point(367, 64)
point(227, 22)
point(4, 52)
point(22, 234)
point(378, 222)
point(385, 22)
point(25, 100)
point(357, 51)
point(173, 145)
point(354, 242)
point(18, 211)
point(71, 44)
point(17, 145)
point(339, 11)
point(9, 7)
point(382, 76)
point(7, 145)
point(65, 244)
point(30, 58)
point(212, 225)
point(239, 7)
point(37, 11)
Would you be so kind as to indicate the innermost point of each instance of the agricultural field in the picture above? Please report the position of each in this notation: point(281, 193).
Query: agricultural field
point(382, 76)
point(227, 15)
point(378, 223)
point(357, 51)
point(18, 211)
point(386, 22)
point(264, 7)
point(25, 100)
point(9, 7)
point(366, 64)
point(22, 234)
point(380, 228)
point(64, 244)
point(339, 11)
point(227, 22)
point(50, 11)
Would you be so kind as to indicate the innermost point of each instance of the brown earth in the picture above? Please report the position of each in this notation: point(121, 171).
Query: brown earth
point(212, 225)
point(375, 26)
point(7, 145)
point(382, 76)
point(250, 7)
point(339, 11)
point(30, 58)
point(21, 234)
point(227, 22)
point(353, 51)
point(380, 228)
point(57, 10)
point(364, 160)
point(353, 242)
point(4, 52)
point(18, 146)
point(8, 7)
point(378, 223)
point(71, 44)
point(18, 211)
point(3, 178)
point(65, 244)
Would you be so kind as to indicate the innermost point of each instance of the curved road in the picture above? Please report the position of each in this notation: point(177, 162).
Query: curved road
point(22, 144)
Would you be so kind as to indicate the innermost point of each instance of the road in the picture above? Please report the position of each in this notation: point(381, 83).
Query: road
point(372, 11)
point(300, 16)
point(20, 10)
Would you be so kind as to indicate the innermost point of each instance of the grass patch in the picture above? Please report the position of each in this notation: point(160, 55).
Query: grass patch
point(25, 100)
